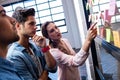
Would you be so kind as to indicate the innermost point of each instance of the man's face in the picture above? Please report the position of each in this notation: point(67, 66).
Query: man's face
point(8, 31)
point(28, 29)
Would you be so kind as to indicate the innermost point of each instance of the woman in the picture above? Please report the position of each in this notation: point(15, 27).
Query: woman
point(68, 60)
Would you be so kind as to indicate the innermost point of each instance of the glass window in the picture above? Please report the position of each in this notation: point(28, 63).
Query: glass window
point(41, 1)
point(8, 8)
point(56, 10)
point(44, 19)
point(43, 6)
point(18, 4)
point(55, 3)
point(46, 10)
point(58, 16)
point(29, 3)
point(44, 13)
point(63, 29)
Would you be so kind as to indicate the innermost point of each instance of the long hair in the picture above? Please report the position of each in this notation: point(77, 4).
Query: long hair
point(45, 33)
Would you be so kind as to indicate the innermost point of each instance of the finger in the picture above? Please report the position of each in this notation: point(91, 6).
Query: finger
point(34, 36)
point(93, 25)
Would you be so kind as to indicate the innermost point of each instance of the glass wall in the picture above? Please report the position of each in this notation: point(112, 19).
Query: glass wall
point(46, 10)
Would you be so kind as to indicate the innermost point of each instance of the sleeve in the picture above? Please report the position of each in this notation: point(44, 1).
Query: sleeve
point(69, 60)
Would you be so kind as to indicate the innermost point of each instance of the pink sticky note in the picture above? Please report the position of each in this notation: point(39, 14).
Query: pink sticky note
point(113, 8)
point(107, 17)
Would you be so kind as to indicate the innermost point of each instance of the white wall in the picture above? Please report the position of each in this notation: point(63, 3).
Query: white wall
point(71, 21)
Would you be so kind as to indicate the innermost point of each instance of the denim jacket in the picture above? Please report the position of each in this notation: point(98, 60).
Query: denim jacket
point(23, 61)
point(7, 70)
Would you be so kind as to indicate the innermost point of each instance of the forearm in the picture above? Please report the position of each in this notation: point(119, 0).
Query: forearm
point(50, 61)
point(86, 45)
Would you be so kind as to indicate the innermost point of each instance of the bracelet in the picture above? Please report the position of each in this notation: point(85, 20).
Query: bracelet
point(45, 49)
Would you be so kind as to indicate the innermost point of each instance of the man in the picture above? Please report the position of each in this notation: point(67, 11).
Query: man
point(7, 35)
point(29, 61)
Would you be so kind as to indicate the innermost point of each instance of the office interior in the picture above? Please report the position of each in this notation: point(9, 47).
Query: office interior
point(73, 17)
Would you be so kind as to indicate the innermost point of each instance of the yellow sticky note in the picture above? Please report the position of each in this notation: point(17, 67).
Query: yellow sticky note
point(116, 36)
point(109, 35)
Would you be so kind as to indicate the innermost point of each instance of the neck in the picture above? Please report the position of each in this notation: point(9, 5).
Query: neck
point(24, 42)
point(3, 50)
point(57, 41)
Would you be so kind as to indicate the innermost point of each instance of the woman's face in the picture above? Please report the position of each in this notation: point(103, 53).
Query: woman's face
point(53, 32)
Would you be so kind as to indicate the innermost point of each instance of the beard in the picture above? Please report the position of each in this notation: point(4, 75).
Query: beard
point(7, 41)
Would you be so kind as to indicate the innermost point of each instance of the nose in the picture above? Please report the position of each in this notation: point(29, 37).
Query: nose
point(57, 30)
point(35, 27)
point(13, 21)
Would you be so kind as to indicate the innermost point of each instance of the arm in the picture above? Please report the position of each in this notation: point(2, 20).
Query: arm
point(81, 56)
point(41, 42)
point(91, 34)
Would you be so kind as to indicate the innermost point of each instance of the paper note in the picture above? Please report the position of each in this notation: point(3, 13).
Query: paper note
point(102, 32)
point(116, 36)
point(109, 35)
point(107, 17)
point(113, 8)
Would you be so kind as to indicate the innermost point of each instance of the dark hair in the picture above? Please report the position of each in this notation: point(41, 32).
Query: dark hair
point(44, 28)
point(21, 14)
point(45, 33)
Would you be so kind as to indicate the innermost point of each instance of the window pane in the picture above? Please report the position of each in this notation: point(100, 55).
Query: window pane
point(10, 13)
point(44, 19)
point(118, 18)
point(63, 29)
point(29, 3)
point(95, 9)
point(39, 33)
point(41, 1)
point(8, 8)
point(57, 10)
point(37, 21)
point(18, 4)
point(103, 1)
point(38, 27)
point(43, 6)
point(60, 23)
point(55, 3)
point(32, 7)
point(104, 7)
point(58, 16)
point(44, 13)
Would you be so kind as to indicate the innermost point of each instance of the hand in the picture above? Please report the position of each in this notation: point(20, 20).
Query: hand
point(39, 40)
point(44, 75)
point(92, 32)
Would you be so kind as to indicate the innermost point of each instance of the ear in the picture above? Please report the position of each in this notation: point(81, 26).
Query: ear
point(17, 25)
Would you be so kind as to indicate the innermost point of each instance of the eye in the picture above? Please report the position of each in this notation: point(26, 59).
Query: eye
point(52, 30)
point(32, 23)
